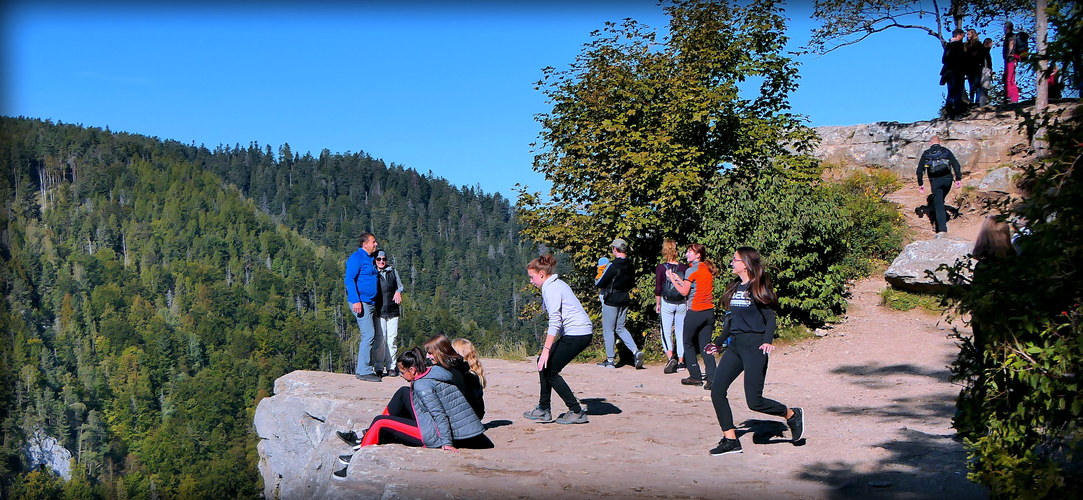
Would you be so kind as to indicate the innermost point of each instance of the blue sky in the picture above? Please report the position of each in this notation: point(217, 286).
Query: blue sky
point(434, 87)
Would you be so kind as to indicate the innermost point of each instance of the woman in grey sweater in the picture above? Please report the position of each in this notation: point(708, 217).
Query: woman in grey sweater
point(568, 335)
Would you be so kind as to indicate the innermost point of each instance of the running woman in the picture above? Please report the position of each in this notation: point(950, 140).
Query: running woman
point(749, 299)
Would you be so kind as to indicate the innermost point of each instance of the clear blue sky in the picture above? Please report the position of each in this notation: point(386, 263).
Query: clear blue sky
point(441, 88)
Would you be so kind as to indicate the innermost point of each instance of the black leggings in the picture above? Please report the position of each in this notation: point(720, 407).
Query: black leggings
point(698, 328)
point(743, 354)
point(562, 352)
point(400, 406)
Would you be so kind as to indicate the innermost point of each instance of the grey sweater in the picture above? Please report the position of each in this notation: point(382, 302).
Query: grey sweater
point(443, 413)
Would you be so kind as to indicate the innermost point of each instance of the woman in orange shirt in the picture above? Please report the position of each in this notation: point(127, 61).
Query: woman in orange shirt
point(698, 285)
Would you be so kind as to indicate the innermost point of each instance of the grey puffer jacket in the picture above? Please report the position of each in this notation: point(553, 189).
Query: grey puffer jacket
point(443, 413)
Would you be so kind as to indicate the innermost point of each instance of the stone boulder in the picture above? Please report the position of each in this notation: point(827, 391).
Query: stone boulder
point(298, 448)
point(1001, 180)
point(911, 269)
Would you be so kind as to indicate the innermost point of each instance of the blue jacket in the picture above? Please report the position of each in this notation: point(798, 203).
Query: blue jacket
point(360, 278)
point(443, 414)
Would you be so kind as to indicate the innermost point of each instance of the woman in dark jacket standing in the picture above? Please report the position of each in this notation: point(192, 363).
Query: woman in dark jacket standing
point(749, 299)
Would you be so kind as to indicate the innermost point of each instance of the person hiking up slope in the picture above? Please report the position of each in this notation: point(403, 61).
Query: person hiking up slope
point(616, 282)
point(941, 166)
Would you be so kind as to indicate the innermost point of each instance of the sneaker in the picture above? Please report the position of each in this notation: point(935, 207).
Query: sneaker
point(371, 377)
point(350, 437)
point(707, 385)
point(681, 367)
point(573, 417)
point(639, 360)
point(726, 447)
point(345, 459)
point(691, 381)
point(939, 236)
point(339, 474)
point(607, 364)
point(671, 367)
point(796, 424)
point(539, 415)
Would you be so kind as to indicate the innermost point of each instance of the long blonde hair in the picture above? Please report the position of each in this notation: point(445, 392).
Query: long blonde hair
point(465, 348)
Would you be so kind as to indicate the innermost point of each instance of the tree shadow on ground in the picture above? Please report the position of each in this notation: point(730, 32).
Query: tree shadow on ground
point(876, 376)
point(900, 409)
point(918, 465)
point(599, 406)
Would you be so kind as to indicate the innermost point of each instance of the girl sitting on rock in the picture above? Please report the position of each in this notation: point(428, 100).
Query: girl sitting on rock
point(443, 417)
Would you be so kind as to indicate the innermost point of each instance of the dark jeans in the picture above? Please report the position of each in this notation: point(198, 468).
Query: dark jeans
point(954, 105)
point(698, 329)
point(562, 352)
point(940, 187)
point(743, 354)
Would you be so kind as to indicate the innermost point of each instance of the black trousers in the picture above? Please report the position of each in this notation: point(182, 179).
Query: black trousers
point(562, 352)
point(743, 354)
point(940, 187)
point(698, 329)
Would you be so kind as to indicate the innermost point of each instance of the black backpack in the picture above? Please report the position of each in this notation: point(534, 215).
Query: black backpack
point(938, 167)
point(1020, 43)
point(669, 292)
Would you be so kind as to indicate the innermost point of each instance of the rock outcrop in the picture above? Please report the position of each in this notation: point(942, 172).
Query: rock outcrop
point(918, 266)
point(44, 450)
point(984, 141)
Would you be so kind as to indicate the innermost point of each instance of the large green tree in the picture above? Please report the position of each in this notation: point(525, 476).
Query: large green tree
point(642, 123)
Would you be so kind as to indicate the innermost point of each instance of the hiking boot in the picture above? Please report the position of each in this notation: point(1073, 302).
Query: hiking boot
point(681, 367)
point(796, 424)
point(539, 415)
point(726, 447)
point(573, 417)
point(671, 367)
point(345, 459)
point(639, 360)
point(707, 385)
point(691, 381)
point(350, 437)
point(339, 474)
point(607, 364)
point(371, 377)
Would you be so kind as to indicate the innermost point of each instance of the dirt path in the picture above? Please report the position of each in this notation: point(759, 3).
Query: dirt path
point(875, 390)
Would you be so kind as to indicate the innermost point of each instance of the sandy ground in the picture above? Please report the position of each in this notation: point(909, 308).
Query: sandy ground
point(875, 390)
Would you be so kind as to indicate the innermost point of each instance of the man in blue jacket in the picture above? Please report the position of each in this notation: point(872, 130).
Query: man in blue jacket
point(360, 279)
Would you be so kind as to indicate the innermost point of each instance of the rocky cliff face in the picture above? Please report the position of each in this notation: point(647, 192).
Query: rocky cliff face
point(986, 140)
point(44, 450)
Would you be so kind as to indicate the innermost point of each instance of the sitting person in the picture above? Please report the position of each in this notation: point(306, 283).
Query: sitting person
point(441, 352)
point(443, 417)
point(466, 349)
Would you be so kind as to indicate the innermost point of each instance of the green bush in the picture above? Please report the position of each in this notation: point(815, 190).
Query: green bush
point(1021, 407)
point(814, 237)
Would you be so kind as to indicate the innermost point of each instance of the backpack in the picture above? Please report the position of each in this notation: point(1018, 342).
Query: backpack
point(669, 292)
point(1020, 43)
point(938, 167)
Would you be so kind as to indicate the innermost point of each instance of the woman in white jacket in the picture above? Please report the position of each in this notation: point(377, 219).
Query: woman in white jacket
point(568, 335)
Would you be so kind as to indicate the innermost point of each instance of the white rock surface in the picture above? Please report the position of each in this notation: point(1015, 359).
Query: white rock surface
point(42, 449)
point(910, 270)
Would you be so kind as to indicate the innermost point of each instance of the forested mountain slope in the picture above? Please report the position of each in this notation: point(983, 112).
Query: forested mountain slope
point(154, 291)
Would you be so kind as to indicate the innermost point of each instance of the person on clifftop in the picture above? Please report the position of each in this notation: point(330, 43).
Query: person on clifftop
point(751, 322)
point(568, 335)
point(941, 166)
